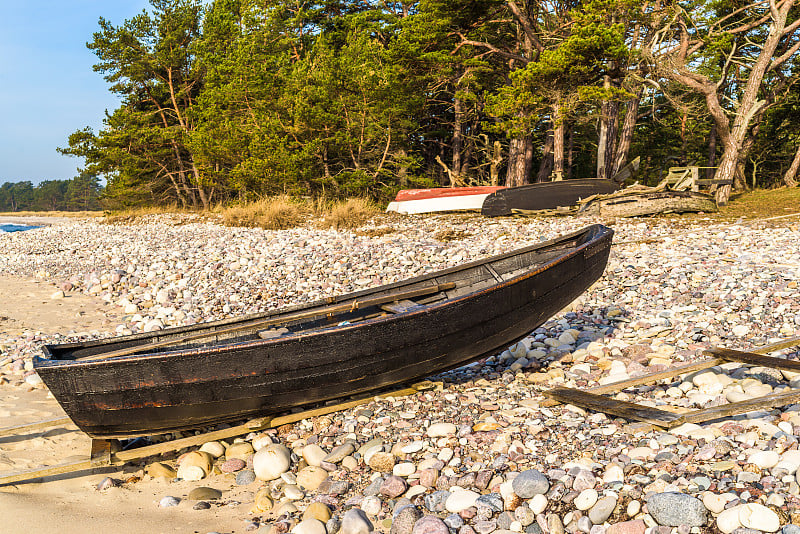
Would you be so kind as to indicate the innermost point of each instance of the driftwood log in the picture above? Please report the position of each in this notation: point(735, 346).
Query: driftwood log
point(638, 204)
point(634, 201)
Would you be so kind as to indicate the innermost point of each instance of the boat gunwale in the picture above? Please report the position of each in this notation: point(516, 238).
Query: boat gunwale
point(594, 232)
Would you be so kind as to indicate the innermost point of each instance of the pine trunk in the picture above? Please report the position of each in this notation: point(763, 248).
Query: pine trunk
point(626, 135)
point(546, 164)
point(789, 178)
point(458, 142)
point(558, 144)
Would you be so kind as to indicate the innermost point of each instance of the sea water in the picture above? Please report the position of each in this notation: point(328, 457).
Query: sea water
point(16, 227)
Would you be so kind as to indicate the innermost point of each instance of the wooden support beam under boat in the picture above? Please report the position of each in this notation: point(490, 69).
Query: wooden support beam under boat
point(105, 452)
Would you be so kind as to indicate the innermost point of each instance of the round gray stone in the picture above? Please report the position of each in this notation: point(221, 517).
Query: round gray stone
point(675, 509)
point(529, 483)
point(602, 510)
point(245, 477)
point(355, 521)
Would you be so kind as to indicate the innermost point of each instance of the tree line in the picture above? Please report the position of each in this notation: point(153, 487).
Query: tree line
point(81, 193)
point(234, 99)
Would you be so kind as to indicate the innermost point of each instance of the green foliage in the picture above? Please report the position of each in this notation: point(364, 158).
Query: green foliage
point(82, 193)
point(234, 100)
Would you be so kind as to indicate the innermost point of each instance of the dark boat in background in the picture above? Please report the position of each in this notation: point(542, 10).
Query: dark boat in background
point(551, 195)
point(198, 375)
point(544, 195)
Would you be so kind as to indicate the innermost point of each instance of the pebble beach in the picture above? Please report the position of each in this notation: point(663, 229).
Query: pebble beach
point(483, 452)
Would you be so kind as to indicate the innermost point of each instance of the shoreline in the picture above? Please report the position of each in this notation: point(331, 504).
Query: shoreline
point(659, 304)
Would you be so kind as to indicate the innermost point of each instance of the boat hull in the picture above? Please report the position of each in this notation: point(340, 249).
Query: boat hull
point(146, 394)
point(413, 201)
point(544, 195)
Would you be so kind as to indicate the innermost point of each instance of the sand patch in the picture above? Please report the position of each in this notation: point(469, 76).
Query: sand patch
point(27, 305)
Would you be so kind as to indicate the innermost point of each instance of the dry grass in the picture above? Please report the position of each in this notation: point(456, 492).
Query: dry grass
point(347, 214)
point(132, 215)
point(271, 213)
point(758, 204)
point(763, 203)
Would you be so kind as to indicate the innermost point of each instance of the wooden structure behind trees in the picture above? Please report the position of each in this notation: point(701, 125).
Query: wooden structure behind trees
point(230, 100)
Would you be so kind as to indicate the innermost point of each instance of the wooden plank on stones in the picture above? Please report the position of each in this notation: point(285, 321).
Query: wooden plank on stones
point(753, 358)
point(750, 405)
point(647, 379)
point(30, 427)
point(627, 410)
point(40, 472)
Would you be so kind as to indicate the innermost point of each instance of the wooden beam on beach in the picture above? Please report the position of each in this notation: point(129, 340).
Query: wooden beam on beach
point(593, 398)
point(103, 453)
point(30, 427)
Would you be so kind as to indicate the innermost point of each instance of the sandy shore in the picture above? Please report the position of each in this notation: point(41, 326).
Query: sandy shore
point(71, 504)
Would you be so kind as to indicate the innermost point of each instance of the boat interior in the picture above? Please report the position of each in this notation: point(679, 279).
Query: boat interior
point(398, 298)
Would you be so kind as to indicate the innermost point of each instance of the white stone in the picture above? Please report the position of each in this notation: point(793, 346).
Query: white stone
point(728, 520)
point(411, 448)
point(413, 491)
point(737, 396)
point(740, 330)
point(57, 295)
point(404, 469)
point(714, 502)
point(293, 492)
point(310, 526)
point(460, 499)
point(214, 448)
point(758, 516)
point(586, 499)
point(764, 459)
point(313, 454)
point(371, 505)
point(791, 458)
point(633, 508)
point(446, 454)
point(355, 521)
point(438, 430)
point(613, 473)
point(538, 504)
point(271, 461)
point(191, 473)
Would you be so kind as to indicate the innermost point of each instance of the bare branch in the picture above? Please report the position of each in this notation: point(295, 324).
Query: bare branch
point(526, 25)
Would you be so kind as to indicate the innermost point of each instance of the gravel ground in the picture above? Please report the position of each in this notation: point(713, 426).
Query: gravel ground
point(483, 454)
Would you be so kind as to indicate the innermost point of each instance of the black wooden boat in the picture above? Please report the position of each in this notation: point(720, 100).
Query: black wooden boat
point(228, 370)
point(544, 195)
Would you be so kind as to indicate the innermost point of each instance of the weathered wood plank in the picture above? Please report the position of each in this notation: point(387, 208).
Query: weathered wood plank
point(400, 306)
point(753, 358)
point(648, 378)
point(41, 472)
point(627, 410)
point(30, 427)
point(735, 408)
point(317, 312)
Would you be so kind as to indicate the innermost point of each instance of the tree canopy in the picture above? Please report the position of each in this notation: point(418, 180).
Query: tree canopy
point(234, 99)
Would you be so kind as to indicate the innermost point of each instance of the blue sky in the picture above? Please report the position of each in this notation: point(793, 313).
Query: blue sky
point(47, 86)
